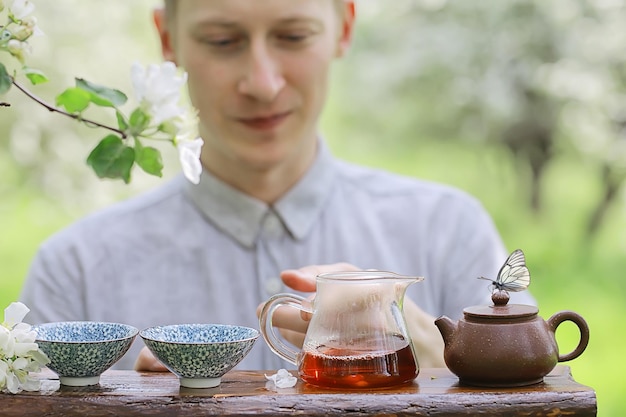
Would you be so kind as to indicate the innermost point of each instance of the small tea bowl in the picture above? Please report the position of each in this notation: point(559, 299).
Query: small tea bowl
point(199, 354)
point(80, 351)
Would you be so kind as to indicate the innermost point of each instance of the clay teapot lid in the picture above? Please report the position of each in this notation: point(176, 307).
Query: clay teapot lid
point(501, 308)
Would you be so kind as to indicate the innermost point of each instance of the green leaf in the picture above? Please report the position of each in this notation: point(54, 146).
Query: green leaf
point(35, 76)
point(149, 159)
point(74, 100)
point(122, 124)
point(111, 158)
point(5, 79)
point(102, 96)
point(139, 120)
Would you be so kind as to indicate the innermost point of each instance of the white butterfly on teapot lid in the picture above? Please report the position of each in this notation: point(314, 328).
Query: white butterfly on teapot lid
point(513, 276)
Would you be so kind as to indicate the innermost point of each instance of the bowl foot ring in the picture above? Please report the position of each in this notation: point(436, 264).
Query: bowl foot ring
point(83, 381)
point(200, 382)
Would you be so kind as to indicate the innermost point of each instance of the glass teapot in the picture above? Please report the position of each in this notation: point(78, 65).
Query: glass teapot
point(357, 336)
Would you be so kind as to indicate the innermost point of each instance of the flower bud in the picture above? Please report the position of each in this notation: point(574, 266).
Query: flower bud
point(30, 21)
point(17, 49)
point(14, 46)
point(169, 127)
point(23, 32)
point(5, 35)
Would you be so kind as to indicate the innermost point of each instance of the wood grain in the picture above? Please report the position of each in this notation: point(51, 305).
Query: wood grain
point(436, 392)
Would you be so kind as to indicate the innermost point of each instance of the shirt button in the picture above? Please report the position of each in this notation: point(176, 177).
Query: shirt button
point(273, 226)
point(273, 286)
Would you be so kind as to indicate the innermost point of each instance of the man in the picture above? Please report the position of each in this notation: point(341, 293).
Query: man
point(271, 199)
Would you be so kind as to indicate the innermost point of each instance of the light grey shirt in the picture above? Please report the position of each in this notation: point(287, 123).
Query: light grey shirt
point(207, 253)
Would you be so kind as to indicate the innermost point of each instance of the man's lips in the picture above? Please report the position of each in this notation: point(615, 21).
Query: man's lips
point(264, 122)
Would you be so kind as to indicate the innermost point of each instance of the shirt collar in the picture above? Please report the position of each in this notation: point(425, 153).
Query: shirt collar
point(241, 216)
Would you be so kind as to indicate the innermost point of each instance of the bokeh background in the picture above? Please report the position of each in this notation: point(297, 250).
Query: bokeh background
point(522, 103)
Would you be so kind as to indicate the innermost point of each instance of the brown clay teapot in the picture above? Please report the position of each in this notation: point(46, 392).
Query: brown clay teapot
point(505, 345)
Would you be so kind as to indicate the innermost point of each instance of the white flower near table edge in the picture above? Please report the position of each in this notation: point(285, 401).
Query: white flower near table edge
point(282, 379)
point(19, 353)
point(157, 117)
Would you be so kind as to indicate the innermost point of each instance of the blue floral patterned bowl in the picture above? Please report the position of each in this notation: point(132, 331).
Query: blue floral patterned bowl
point(80, 351)
point(199, 354)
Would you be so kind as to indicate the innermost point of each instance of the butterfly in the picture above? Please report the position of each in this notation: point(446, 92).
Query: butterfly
point(514, 275)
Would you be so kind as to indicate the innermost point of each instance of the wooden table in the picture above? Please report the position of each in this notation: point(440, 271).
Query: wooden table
point(434, 393)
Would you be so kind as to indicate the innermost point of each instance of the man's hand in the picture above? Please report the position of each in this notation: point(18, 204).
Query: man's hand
point(426, 338)
point(292, 323)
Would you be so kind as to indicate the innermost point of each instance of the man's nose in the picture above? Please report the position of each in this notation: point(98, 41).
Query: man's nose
point(262, 78)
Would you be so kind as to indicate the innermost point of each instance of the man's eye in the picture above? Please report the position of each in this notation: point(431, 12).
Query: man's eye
point(294, 38)
point(222, 43)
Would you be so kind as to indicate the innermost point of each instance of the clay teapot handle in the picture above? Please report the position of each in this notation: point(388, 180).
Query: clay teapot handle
point(560, 317)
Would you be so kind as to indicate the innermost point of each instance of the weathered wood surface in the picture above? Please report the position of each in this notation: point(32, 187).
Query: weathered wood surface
point(435, 392)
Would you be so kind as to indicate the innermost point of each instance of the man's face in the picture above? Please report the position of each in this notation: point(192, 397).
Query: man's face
point(258, 75)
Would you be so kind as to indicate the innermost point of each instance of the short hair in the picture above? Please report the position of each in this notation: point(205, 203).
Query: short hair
point(170, 7)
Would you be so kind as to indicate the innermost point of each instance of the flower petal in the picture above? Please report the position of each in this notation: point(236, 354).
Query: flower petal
point(21, 8)
point(24, 333)
point(24, 349)
point(39, 359)
point(8, 346)
point(14, 314)
point(189, 155)
point(5, 336)
point(19, 363)
point(31, 384)
point(13, 382)
point(3, 375)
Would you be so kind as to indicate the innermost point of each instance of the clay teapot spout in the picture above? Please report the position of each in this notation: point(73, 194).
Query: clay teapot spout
point(446, 327)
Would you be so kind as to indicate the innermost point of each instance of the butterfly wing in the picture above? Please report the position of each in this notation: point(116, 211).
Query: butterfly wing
point(514, 275)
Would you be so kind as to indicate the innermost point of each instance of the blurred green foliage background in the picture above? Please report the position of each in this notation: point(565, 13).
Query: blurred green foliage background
point(521, 103)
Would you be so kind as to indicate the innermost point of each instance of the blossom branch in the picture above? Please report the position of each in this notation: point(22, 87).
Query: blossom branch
point(158, 115)
point(70, 115)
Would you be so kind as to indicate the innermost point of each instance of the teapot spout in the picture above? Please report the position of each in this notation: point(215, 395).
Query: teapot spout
point(446, 327)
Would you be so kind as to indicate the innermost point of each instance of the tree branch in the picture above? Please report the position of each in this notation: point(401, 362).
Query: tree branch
point(70, 115)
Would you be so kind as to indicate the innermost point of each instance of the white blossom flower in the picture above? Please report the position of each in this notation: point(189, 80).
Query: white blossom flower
point(282, 379)
point(7, 378)
point(20, 8)
point(6, 341)
point(19, 353)
point(14, 373)
point(157, 88)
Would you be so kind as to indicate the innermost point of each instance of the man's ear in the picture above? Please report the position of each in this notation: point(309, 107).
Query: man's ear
point(347, 27)
point(160, 22)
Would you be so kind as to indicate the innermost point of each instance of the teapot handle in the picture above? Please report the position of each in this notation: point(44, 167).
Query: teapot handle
point(560, 317)
point(275, 343)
